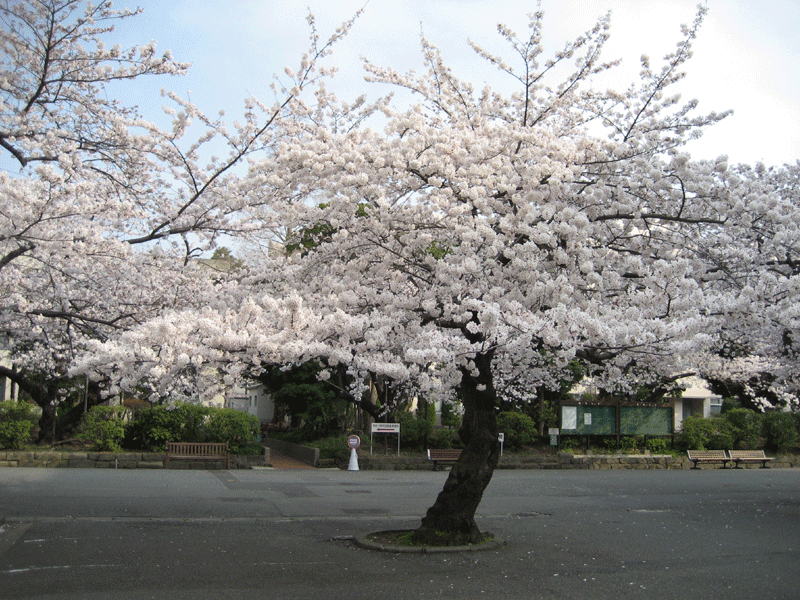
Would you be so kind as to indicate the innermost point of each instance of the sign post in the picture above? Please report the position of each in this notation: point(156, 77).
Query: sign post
point(553, 431)
point(353, 442)
point(501, 438)
point(385, 428)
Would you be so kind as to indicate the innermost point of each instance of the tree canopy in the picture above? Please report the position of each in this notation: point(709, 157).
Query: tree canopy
point(466, 237)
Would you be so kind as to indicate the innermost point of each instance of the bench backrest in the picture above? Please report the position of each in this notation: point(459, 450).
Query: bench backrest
point(707, 454)
point(197, 448)
point(445, 453)
point(759, 454)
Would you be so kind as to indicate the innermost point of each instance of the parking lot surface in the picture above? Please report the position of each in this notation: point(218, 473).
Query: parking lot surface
point(95, 534)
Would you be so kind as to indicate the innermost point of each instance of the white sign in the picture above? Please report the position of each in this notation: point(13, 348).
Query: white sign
point(553, 431)
point(569, 417)
point(386, 428)
point(501, 437)
point(587, 418)
point(354, 442)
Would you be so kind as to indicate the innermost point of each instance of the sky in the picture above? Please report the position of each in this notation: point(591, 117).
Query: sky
point(747, 56)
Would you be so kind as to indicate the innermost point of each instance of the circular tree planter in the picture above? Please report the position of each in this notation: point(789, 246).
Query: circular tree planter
point(398, 541)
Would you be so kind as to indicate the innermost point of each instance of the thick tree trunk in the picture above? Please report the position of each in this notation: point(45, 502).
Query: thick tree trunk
point(451, 520)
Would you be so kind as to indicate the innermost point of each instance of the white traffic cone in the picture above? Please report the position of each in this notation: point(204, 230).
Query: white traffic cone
point(353, 466)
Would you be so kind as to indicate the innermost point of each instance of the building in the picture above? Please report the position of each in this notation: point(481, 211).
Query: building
point(252, 399)
point(696, 401)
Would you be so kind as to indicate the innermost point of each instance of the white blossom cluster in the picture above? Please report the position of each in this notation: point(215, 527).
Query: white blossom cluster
point(468, 237)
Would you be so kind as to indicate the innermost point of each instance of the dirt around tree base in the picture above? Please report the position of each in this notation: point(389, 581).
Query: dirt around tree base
point(401, 540)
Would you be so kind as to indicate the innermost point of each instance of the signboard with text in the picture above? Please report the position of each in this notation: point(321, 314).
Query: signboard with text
point(392, 428)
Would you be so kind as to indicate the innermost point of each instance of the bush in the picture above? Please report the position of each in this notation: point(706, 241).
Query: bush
point(445, 438)
point(332, 447)
point(16, 422)
point(746, 426)
point(233, 426)
point(701, 433)
point(415, 429)
point(154, 427)
point(104, 427)
point(658, 445)
point(779, 430)
point(628, 445)
point(519, 429)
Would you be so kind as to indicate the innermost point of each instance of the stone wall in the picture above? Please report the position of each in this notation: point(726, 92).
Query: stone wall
point(120, 460)
point(561, 460)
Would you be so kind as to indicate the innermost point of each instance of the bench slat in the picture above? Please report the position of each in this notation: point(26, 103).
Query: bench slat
point(197, 451)
point(698, 456)
point(447, 455)
point(739, 456)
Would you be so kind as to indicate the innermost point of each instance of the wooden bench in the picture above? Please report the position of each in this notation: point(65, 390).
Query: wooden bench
point(197, 451)
point(740, 456)
point(698, 456)
point(443, 456)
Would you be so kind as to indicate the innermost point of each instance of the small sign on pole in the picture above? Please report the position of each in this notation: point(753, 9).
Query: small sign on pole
point(385, 428)
point(553, 431)
point(501, 438)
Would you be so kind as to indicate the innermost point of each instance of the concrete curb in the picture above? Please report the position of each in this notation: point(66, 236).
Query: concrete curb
point(363, 542)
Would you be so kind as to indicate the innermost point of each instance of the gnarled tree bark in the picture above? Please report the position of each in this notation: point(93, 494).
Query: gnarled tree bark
point(451, 520)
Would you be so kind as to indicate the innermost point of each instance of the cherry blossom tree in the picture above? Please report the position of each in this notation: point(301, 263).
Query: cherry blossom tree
point(755, 353)
point(477, 233)
point(99, 229)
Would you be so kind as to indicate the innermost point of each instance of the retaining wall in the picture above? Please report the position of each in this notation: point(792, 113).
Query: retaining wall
point(121, 460)
point(557, 461)
point(155, 460)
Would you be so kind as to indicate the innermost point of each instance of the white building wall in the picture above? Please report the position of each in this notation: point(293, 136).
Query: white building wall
point(253, 400)
point(6, 387)
point(696, 401)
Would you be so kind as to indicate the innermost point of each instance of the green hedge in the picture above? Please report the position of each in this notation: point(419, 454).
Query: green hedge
point(780, 431)
point(153, 427)
point(741, 428)
point(17, 420)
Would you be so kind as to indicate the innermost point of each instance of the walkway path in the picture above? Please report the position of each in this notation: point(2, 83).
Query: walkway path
point(282, 461)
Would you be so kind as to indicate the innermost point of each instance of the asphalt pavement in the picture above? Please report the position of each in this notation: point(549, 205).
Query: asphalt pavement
point(95, 534)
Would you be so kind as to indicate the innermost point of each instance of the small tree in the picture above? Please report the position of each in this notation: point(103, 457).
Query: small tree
point(519, 429)
point(104, 427)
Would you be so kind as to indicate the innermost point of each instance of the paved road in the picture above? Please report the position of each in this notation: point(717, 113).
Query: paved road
point(180, 535)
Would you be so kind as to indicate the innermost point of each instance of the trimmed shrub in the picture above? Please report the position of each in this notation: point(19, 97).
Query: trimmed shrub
point(154, 427)
point(779, 430)
point(104, 427)
point(706, 434)
point(519, 429)
point(415, 429)
point(746, 426)
point(445, 438)
point(629, 445)
point(233, 426)
point(658, 445)
point(16, 423)
point(334, 446)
